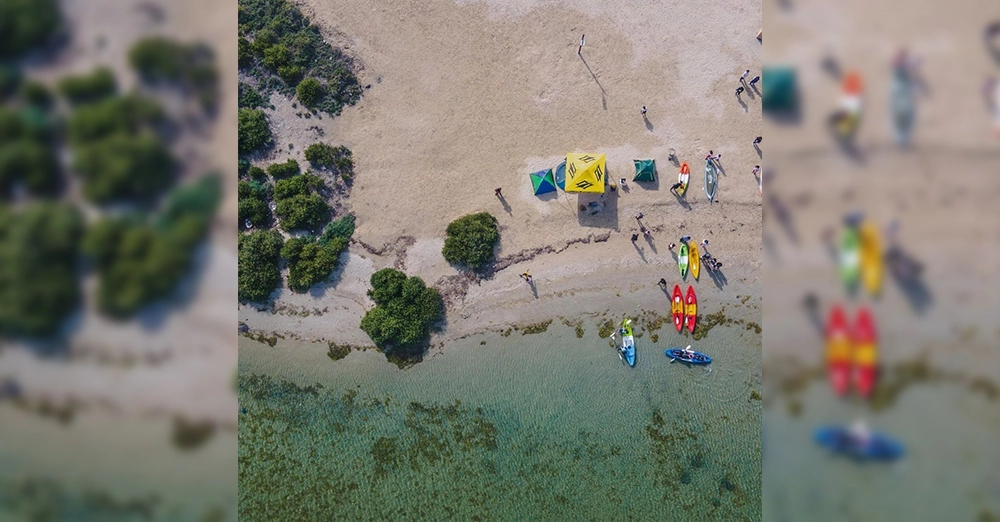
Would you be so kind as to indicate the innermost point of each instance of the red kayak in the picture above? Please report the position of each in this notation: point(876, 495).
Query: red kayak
point(690, 309)
point(677, 308)
point(865, 352)
point(838, 350)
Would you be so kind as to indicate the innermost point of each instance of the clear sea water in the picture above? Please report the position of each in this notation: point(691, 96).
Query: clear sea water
point(526, 427)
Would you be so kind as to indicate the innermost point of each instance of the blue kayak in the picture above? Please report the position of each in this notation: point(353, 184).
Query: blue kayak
point(628, 342)
point(691, 357)
point(839, 439)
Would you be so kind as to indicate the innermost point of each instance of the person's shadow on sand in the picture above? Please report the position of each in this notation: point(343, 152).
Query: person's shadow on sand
point(652, 245)
point(534, 289)
point(682, 200)
point(506, 206)
point(718, 278)
point(640, 250)
point(649, 125)
point(743, 104)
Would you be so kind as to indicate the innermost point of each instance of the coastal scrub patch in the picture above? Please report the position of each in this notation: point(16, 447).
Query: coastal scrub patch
point(284, 170)
point(337, 352)
point(405, 312)
point(753, 326)
point(87, 88)
point(337, 160)
point(297, 203)
point(254, 133)
point(309, 261)
point(252, 205)
point(258, 256)
point(190, 67)
point(535, 328)
point(27, 25)
point(471, 240)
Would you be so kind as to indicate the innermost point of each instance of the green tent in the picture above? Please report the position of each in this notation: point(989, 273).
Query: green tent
point(645, 170)
point(543, 182)
point(779, 90)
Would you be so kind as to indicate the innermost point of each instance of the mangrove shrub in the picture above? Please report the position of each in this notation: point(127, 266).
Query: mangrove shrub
point(471, 240)
point(405, 312)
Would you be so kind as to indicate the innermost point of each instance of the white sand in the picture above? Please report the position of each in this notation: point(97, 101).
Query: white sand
point(476, 95)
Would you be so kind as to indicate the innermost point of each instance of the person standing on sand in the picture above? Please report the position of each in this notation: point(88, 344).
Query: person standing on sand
point(497, 192)
point(635, 237)
point(639, 216)
point(675, 186)
point(739, 90)
point(709, 156)
point(758, 139)
point(756, 170)
point(754, 80)
point(662, 283)
point(671, 246)
point(685, 239)
point(643, 111)
point(582, 41)
point(526, 276)
point(743, 77)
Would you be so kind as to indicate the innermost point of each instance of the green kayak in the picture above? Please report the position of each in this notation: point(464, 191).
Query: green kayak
point(682, 260)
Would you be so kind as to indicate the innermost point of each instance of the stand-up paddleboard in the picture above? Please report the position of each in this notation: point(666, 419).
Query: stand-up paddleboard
point(690, 309)
point(677, 308)
point(865, 353)
point(684, 177)
point(694, 261)
point(838, 350)
point(850, 257)
point(628, 342)
point(711, 180)
point(872, 264)
point(682, 260)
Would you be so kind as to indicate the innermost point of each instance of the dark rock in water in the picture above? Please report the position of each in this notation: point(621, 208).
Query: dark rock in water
point(243, 328)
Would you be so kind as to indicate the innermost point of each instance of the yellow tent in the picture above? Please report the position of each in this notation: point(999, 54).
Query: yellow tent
point(585, 172)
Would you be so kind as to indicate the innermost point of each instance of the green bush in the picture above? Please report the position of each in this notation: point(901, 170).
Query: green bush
point(190, 66)
point(253, 129)
point(471, 240)
point(122, 115)
point(257, 173)
point(342, 228)
point(291, 74)
point(283, 170)
point(309, 92)
point(250, 98)
point(259, 274)
point(405, 311)
point(243, 167)
point(37, 94)
point(26, 25)
point(277, 56)
point(88, 88)
point(39, 248)
point(124, 167)
point(244, 53)
point(138, 262)
point(298, 205)
point(253, 203)
point(310, 262)
point(30, 162)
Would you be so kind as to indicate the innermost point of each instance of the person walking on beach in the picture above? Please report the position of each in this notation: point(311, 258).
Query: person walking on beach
point(497, 192)
point(743, 77)
point(639, 216)
point(662, 283)
point(671, 246)
point(675, 187)
point(756, 170)
point(635, 237)
point(754, 80)
point(717, 157)
point(739, 90)
point(582, 41)
point(526, 276)
point(643, 111)
point(758, 139)
point(709, 155)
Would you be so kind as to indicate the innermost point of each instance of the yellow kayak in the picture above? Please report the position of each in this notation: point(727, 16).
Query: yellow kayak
point(694, 261)
point(871, 258)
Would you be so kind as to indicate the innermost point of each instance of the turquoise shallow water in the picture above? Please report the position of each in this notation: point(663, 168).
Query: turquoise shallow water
point(546, 427)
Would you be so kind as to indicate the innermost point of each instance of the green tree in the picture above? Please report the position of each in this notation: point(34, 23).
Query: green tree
point(128, 114)
point(253, 203)
point(87, 88)
point(26, 25)
point(405, 312)
point(253, 129)
point(310, 262)
point(309, 92)
point(277, 56)
point(284, 170)
point(30, 162)
point(39, 249)
point(259, 274)
point(124, 167)
point(471, 240)
point(37, 94)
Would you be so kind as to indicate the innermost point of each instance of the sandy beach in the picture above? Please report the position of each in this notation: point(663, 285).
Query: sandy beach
point(452, 114)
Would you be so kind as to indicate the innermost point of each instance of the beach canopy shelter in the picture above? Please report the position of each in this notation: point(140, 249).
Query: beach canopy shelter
point(543, 181)
point(561, 175)
point(645, 170)
point(586, 173)
point(779, 91)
